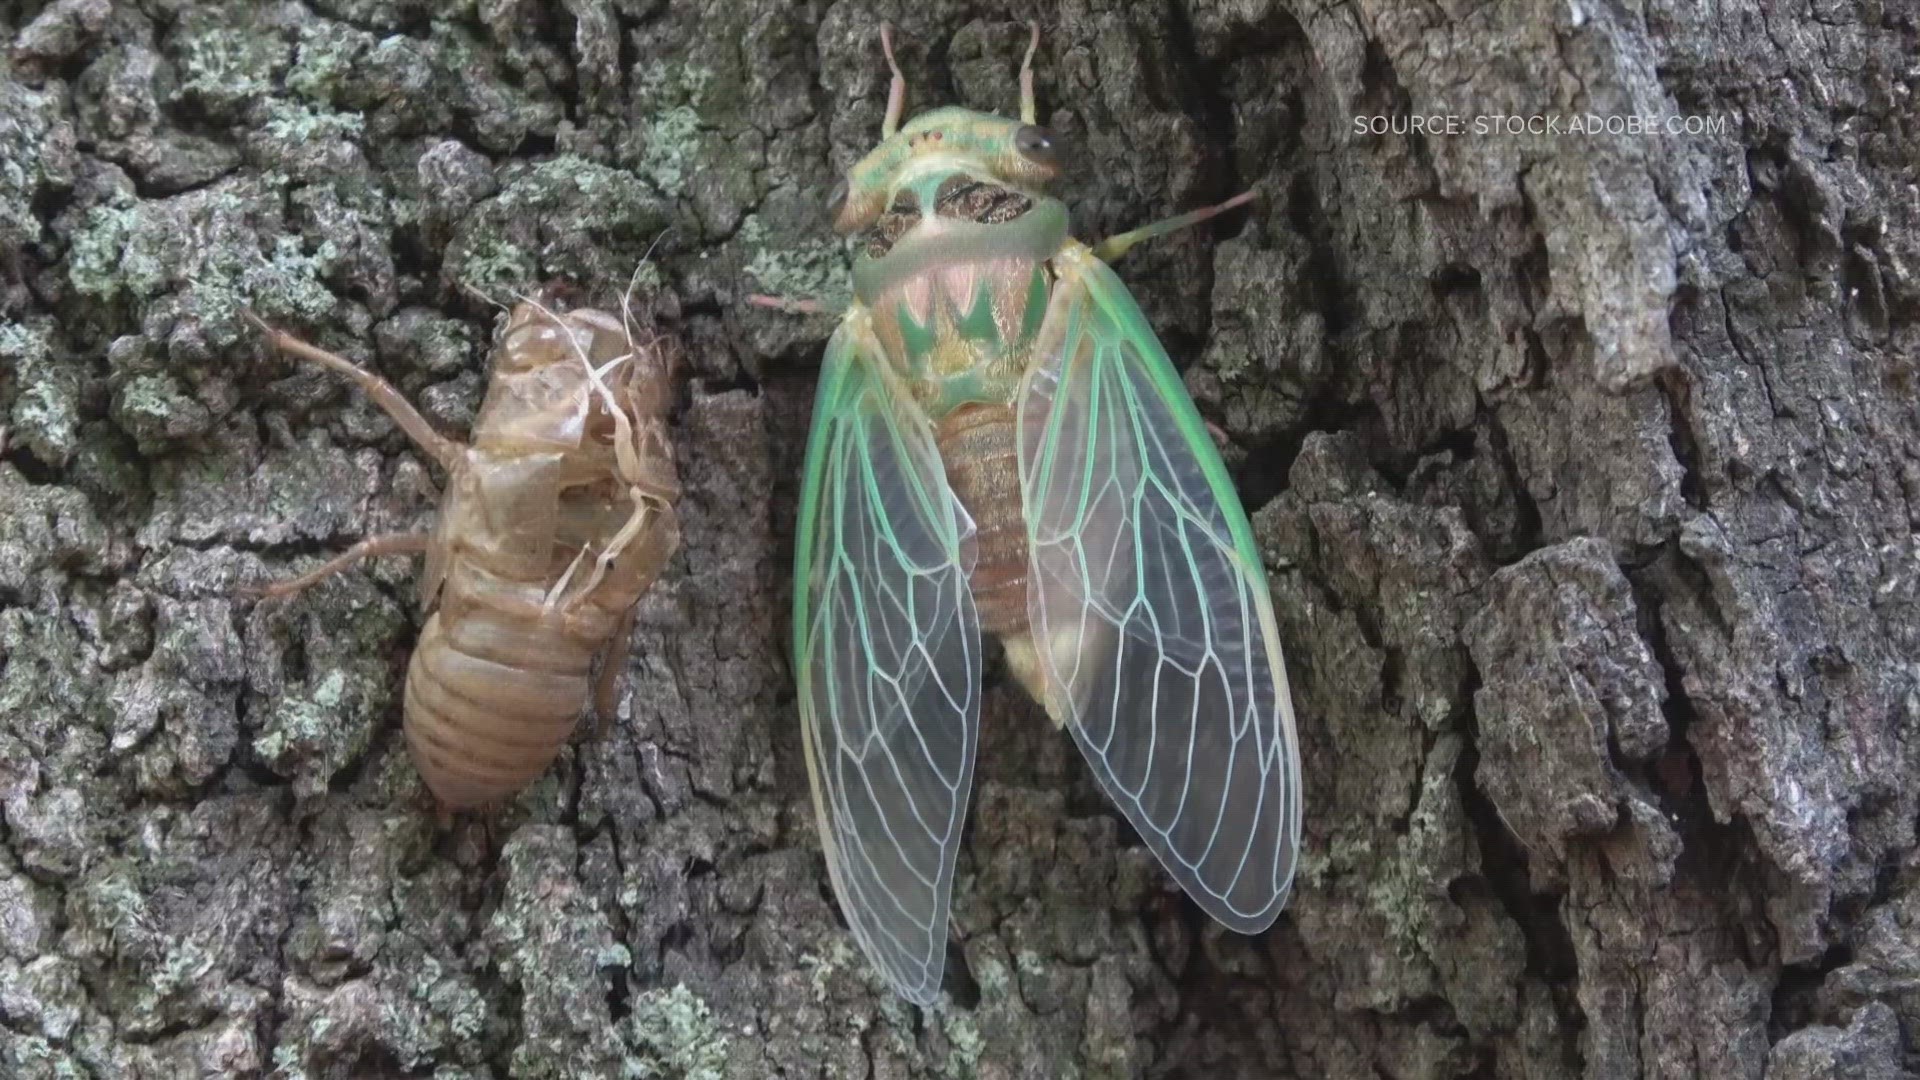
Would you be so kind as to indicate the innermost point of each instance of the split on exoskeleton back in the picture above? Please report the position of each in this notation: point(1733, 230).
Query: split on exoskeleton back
point(630, 392)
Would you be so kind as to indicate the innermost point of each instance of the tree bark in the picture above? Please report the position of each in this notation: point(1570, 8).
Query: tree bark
point(1584, 464)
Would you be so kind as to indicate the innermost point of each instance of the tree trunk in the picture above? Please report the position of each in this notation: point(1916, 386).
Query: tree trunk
point(1584, 464)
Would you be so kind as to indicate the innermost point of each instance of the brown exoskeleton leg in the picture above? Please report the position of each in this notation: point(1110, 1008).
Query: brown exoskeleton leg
point(649, 517)
point(447, 452)
point(608, 685)
point(384, 544)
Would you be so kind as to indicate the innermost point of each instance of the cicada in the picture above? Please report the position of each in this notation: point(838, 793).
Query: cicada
point(557, 518)
point(1000, 442)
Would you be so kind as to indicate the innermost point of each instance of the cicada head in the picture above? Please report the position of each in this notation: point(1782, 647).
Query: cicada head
point(542, 333)
point(560, 377)
point(951, 162)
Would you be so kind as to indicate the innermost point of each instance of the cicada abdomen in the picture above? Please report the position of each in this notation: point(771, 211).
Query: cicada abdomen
point(556, 518)
point(999, 441)
point(980, 448)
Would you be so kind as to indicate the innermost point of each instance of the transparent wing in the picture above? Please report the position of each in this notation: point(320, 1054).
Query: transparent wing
point(887, 657)
point(1150, 610)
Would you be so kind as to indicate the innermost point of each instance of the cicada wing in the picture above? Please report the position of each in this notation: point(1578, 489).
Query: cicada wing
point(887, 657)
point(1149, 607)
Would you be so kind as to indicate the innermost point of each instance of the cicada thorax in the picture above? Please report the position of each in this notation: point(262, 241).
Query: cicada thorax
point(958, 296)
point(503, 672)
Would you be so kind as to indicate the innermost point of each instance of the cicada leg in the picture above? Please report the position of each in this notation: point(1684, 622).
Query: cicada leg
point(384, 544)
point(442, 449)
point(607, 686)
point(789, 306)
point(1115, 246)
point(646, 515)
point(1219, 435)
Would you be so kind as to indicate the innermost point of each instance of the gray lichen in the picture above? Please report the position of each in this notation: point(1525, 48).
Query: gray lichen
point(512, 238)
point(46, 405)
point(812, 270)
point(675, 1036)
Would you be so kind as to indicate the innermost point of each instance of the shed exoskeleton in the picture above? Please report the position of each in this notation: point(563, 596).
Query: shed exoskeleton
point(555, 519)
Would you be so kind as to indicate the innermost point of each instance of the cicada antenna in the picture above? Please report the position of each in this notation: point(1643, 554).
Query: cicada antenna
point(479, 295)
point(554, 318)
point(1029, 111)
point(897, 92)
point(633, 280)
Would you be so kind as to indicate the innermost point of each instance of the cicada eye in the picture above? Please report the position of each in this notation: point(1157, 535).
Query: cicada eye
point(1037, 145)
point(837, 200)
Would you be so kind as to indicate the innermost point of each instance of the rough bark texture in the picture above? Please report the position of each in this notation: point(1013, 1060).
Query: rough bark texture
point(1585, 467)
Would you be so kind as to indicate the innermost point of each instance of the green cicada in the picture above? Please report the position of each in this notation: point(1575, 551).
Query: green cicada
point(999, 441)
